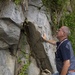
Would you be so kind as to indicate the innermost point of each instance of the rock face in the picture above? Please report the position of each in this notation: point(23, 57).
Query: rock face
point(7, 63)
point(37, 26)
point(11, 11)
point(11, 20)
point(11, 17)
point(32, 67)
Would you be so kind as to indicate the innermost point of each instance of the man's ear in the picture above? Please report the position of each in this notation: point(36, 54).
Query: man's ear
point(63, 33)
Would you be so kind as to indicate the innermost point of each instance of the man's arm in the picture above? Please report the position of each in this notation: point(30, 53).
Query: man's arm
point(49, 41)
point(65, 67)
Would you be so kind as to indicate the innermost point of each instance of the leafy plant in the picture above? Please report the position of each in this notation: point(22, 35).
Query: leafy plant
point(69, 21)
point(54, 5)
point(17, 1)
point(24, 69)
point(68, 18)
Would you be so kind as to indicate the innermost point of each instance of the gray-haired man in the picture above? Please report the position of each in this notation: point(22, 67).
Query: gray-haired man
point(65, 60)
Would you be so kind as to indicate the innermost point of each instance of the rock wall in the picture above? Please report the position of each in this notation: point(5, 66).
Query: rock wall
point(37, 26)
point(12, 18)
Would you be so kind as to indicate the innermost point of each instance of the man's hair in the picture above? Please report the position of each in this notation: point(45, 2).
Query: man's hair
point(66, 30)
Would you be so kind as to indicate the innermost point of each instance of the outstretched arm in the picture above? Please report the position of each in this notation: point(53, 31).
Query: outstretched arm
point(49, 41)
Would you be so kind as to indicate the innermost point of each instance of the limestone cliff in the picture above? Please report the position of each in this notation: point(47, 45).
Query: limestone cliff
point(34, 22)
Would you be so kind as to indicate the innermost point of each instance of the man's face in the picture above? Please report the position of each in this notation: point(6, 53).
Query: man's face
point(60, 33)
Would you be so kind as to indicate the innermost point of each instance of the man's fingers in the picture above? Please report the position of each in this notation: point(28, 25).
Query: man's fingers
point(44, 35)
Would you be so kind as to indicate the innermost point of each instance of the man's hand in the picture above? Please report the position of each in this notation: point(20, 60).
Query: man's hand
point(49, 41)
point(44, 36)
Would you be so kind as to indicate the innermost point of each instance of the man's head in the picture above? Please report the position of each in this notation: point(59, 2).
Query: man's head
point(63, 32)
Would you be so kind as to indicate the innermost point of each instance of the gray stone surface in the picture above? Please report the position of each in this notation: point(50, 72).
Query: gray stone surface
point(38, 25)
point(37, 3)
point(33, 69)
point(3, 45)
point(12, 11)
point(7, 63)
point(11, 19)
point(9, 32)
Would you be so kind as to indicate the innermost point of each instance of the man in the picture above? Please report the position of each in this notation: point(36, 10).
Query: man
point(65, 60)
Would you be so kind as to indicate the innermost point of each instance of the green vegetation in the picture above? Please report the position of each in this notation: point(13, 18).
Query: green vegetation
point(54, 5)
point(17, 1)
point(69, 21)
point(23, 54)
point(24, 69)
point(56, 8)
point(60, 15)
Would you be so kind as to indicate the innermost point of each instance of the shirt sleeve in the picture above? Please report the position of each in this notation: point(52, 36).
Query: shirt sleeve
point(65, 53)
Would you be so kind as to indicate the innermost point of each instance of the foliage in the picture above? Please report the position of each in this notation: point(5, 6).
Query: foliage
point(17, 1)
point(69, 21)
point(68, 18)
point(54, 5)
point(19, 60)
point(23, 54)
point(24, 69)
